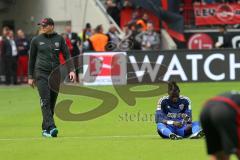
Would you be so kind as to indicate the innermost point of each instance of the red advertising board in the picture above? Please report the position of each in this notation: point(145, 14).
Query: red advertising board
point(216, 14)
point(104, 68)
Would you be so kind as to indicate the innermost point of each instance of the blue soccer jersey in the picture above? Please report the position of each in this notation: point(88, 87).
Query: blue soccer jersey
point(167, 110)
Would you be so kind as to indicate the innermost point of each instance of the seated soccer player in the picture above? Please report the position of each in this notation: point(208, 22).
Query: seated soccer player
point(174, 116)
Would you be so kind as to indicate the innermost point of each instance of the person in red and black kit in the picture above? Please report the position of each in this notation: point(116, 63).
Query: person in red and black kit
point(69, 45)
point(220, 120)
point(76, 43)
point(23, 46)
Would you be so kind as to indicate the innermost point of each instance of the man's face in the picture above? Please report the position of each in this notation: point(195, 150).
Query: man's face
point(11, 34)
point(64, 36)
point(101, 29)
point(174, 95)
point(68, 29)
point(5, 31)
point(20, 34)
point(145, 17)
point(47, 29)
point(113, 29)
point(150, 27)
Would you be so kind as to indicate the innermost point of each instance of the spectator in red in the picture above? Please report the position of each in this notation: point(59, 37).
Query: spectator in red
point(70, 47)
point(23, 48)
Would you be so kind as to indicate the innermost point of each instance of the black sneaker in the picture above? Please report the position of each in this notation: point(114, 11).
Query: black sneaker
point(54, 132)
point(46, 134)
point(197, 135)
point(175, 137)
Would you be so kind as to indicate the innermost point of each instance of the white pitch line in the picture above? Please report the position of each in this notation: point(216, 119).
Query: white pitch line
point(79, 137)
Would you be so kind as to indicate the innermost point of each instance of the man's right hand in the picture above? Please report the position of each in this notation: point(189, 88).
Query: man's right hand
point(177, 124)
point(31, 82)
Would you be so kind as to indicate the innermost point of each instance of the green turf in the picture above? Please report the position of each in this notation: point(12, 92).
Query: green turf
point(110, 137)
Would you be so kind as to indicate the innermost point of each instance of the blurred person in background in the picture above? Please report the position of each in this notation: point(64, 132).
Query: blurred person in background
point(1, 61)
point(134, 31)
point(85, 36)
point(127, 3)
point(149, 39)
point(113, 39)
point(143, 21)
point(6, 54)
point(76, 44)
point(23, 46)
point(11, 56)
point(113, 11)
point(86, 33)
point(70, 47)
point(224, 40)
point(99, 40)
point(135, 17)
point(126, 44)
point(75, 40)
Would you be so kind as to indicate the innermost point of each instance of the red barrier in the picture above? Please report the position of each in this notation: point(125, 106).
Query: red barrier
point(217, 14)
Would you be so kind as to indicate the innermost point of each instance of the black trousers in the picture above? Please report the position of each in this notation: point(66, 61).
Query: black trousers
point(11, 69)
point(220, 127)
point(77, 62)
point(48, 100)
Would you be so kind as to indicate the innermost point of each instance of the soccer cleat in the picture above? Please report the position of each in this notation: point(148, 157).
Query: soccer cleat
point(54, 132)
point(46, 134)
point(175, 137)
point(197, 135)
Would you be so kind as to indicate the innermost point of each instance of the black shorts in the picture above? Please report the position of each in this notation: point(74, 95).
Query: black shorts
point(219, 122)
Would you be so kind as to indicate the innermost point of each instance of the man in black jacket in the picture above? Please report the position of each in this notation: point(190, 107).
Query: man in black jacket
point(8, 57)
point(44, 58)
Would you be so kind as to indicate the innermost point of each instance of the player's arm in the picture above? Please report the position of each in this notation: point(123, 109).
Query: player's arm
point(187, 115)
point(161, 115)
point(32, 61)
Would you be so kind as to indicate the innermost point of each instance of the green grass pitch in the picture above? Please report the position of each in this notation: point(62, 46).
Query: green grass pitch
point(110, 137)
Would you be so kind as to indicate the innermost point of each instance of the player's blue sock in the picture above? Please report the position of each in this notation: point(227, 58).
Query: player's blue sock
point(162, 128)
point(197, 131)
point(196, 127)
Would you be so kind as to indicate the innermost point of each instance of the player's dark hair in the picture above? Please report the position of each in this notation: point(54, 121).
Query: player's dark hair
point(172, 86)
